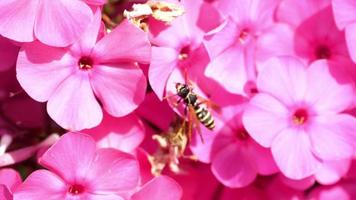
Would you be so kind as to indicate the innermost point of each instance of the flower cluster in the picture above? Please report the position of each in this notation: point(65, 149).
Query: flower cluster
point(177, 99)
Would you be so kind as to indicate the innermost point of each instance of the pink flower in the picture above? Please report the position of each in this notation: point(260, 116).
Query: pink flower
point(295, 37)
point(231, 46)
point(179, 46)
point(71, 78)
point(298, 113)
point(236, 159)
point(78, 170)
point(345, 16)
point(55, 23)
point(9, 180)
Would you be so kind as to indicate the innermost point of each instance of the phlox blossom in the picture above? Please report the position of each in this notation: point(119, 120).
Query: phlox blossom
point(298, 114)
point(232, 45)
point(55, 23)
point(72, 79)
point(178, 47)
point(9, 180)
point(78, 170)
point(345, 16)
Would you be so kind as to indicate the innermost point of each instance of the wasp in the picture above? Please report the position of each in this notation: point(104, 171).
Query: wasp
point(190, 99)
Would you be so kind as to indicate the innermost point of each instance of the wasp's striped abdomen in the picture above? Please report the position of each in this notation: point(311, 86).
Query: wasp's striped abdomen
point(204, 116)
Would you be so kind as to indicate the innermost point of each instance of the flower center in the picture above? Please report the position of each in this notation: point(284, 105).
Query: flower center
point(184, 53)
point(244, 35)
point(76, 189)
point(300, 117)
point(242, 134)
point(85, 63)
point(322, 52)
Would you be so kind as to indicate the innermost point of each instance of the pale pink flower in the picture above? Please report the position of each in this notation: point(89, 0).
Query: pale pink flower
point(231, 46)
point(71, 79)
point(9, 180)
point(78, 170)
point(345, 16)
point(298, 114)
point(55, 23)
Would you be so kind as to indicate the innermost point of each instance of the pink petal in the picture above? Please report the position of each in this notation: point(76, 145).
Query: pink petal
point(5, 194)
point(161, 187)
point(71, 157)
point(124, 134)
point(232, 167)
point(163, 61)
point(350, 32)
point(333, 136)
point(302, 184)
point(88, 39)
point(61, 22)
point(259, 12)
point(8, 54)
point(344, 12)
point(41, 184)
point(120, 88)
point(16, 14)
point(335, 97)
point(73, 105)
point(126, 42)
point(302, 9)
point(162, 34)
point(276, 41)
point(284, 78)
point(222, 38)
point(112, 171)
point(96, 2)
point(40, 69)
point(264, 118)
point(332, 171)
point(291, 150)
point(97, 197)
point(262, 158)
point(229, 69)
point(10, 178)
point(203, 17)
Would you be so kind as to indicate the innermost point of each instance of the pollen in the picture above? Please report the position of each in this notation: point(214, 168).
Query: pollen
point(85, 63)
point(244, 35)
point(76, 189)
point(184, 53)
point(300, 117)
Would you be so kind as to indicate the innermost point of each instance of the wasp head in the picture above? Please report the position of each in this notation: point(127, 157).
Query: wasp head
point(182, 90)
